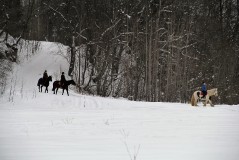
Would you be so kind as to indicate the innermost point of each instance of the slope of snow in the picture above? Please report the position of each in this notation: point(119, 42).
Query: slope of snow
point(44, 126)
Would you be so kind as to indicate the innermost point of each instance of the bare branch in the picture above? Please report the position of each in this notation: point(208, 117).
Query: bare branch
point(56, 11)
point(110, 28)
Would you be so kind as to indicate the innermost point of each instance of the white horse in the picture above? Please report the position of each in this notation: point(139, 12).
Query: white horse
point(197, 95)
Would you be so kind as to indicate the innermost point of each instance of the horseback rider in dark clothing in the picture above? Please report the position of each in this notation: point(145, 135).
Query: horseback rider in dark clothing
point(45, 76)
point(204, 89)
point(63, 79)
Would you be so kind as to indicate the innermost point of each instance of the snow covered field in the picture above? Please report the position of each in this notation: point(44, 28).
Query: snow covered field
point(44, 126)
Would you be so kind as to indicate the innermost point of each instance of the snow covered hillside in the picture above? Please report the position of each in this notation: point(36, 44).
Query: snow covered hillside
point(44, 126)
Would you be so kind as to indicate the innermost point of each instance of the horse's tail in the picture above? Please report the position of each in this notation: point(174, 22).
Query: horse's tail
point(193, 100)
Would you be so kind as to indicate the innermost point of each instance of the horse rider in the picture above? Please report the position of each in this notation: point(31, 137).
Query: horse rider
point(63, 79)
point(45, 76)
point(204, 89)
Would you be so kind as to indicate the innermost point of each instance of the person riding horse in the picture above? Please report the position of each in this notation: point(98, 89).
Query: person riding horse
point(204, 89)
point(63, 79)
point(45, 76)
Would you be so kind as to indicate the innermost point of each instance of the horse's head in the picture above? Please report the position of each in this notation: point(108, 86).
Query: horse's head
point(73, 82)
point(215, 92)
point(50, 78)
point(212, 92)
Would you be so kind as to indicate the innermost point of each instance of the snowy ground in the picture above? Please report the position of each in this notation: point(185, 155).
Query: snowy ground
point(44, 126)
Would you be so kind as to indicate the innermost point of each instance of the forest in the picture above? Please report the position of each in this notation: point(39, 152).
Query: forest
point(143, 50)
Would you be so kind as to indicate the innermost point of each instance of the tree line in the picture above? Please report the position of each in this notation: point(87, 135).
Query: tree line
point(152, 50)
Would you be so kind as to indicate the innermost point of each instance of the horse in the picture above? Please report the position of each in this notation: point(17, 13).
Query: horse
point(41, 83)
point(197, 96)
point(56, 86)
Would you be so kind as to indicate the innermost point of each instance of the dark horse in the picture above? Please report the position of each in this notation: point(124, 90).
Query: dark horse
point(41, 83)
point(56, 86)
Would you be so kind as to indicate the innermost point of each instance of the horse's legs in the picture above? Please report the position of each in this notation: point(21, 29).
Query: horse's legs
point(56, 90)
point(67, 91)
point(196, 102)
point(205, 102)
point(41, 88)
point(212, 105)
point(63, 91)
point(46, 90)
